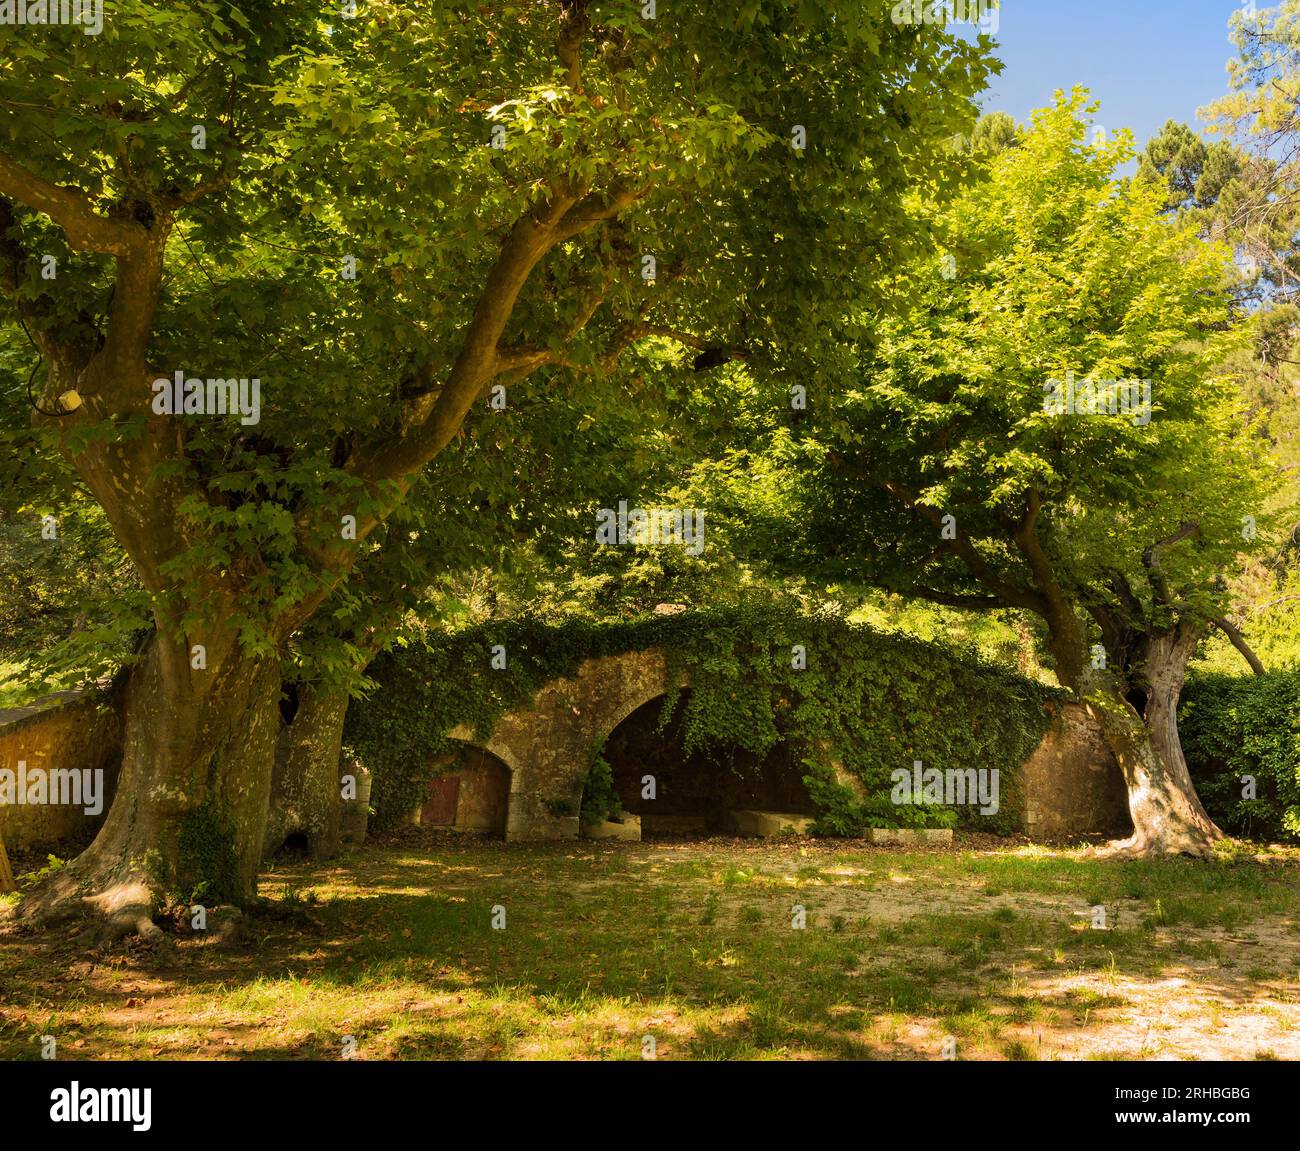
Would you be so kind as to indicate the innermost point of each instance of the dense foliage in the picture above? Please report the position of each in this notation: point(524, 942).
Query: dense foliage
point(1236, 728)
point(867, 700)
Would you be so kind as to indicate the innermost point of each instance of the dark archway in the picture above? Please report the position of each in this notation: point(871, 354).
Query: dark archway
point(695, 794)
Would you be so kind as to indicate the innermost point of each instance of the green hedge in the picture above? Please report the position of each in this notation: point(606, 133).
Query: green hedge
point(869, 700)
point(1235, 726)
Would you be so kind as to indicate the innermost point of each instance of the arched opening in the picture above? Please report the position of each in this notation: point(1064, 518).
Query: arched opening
point(294, 846)
point(471, 792)
point(696, 794)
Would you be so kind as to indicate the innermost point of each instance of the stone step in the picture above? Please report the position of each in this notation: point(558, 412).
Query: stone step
point(909, 836)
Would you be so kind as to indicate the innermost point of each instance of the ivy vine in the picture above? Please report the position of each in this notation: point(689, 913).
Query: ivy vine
point(854, 702)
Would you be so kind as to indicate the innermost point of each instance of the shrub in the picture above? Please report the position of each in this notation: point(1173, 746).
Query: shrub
point(600, 799)
point(1235, 726)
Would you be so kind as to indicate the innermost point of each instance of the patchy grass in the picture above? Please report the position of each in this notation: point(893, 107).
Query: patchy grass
point(695, 946)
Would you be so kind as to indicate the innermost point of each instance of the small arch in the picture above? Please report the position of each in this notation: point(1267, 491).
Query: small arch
point(472, 794)
point(295, 845)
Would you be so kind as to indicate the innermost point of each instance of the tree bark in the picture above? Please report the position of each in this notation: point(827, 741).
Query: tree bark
point(305, 795)
point(1168, 817)
point(191, 803)
point(6, 872)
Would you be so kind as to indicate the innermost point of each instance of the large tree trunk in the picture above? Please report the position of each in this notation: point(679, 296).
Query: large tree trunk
point(1167, 814)
point(305, 795)
point(191, 801)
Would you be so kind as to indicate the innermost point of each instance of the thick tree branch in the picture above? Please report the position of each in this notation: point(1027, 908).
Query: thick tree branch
point(1151, 561)
point(431, 420)
point(948, 599)
point(573, 30)
point(86, 230)
point(65, 346)
point(596, 208)
point(1009, 594)
point(1239, 642)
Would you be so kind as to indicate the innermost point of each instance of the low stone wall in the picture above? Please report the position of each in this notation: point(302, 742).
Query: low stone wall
point(1071, 785)
point(69, 731)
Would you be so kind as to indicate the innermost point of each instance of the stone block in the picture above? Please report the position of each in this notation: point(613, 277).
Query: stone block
point(769, 824)
point(628, 831)
point(910, 836)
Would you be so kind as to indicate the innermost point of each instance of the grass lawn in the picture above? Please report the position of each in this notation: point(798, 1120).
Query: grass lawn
point(694, 945)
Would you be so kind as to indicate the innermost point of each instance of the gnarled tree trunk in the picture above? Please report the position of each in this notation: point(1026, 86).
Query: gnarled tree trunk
point(305, 795)
point(1140, 723)
point(191, 802)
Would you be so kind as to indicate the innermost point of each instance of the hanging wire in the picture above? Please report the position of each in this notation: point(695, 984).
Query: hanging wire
point(40, 359)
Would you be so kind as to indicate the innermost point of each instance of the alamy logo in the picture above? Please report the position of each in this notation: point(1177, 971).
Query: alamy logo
point(82, 788)
point(1089, 397)
point(77, 1104)
point(953, 787)
point(639, 528)
point(195, 397)
point(88, 13)
point(981, 12)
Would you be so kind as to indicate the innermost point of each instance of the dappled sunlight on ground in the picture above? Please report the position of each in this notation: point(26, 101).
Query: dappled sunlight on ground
point(715, 949)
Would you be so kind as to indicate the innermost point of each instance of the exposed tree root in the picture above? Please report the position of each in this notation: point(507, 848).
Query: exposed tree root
point(104, 913)
point(1143, 847)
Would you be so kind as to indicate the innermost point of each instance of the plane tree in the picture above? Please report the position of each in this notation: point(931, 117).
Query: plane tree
point(382, 220)
point(1002, 449)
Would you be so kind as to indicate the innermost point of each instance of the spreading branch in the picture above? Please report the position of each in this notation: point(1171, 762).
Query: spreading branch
point(1008, 594)
point(1239, 642)
point(70, 208)
point(1151, 561)
point(951, 599)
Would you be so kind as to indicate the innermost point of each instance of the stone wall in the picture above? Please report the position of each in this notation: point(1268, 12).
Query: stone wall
point(67, 731)
point(1072, 784)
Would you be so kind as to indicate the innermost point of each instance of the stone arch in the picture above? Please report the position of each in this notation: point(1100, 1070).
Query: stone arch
point(716, 788)
point(638, 695)
point(471, 792)
point(547, 745)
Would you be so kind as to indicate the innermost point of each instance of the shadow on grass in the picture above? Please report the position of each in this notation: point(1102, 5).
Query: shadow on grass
point(602, 948)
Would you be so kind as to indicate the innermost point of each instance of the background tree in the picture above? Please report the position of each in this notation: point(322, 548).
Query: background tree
point(948, 476)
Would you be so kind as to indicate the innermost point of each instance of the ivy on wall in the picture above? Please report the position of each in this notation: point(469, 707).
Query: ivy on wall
point(844, 695)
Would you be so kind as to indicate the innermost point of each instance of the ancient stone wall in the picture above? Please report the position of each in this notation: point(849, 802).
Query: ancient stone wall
point(1072, 784)
point(68, 731)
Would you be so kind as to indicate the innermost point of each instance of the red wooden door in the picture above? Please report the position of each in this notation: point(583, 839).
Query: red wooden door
point(439, 808)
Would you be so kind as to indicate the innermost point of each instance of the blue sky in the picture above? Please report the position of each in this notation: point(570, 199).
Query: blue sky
point(1146, 60)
